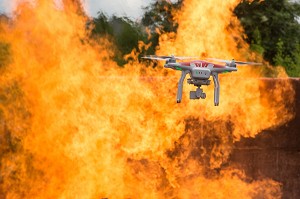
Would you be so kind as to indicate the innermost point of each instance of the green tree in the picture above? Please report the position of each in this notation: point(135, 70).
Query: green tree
point(122, 31)
point(273, 30)
point(127, 34)
point(101, 25)
point(159, 18)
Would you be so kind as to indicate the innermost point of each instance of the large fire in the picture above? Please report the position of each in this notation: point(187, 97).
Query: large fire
point(75, 125)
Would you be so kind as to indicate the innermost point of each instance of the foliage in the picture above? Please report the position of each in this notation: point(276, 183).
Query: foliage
point(101, 25)
point(125, 33)
point(159, 18)
point(273, 30)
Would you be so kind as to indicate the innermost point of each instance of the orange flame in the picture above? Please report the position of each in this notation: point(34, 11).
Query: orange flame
point(81, 127)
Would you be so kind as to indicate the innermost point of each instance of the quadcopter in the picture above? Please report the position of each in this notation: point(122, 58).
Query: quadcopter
point(200, 72)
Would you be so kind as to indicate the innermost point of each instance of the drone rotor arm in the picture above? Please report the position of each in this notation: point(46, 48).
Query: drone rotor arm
point(154, 58)
point(247, 63)
point(158, 57)
point(183, 58)
point(236, 62)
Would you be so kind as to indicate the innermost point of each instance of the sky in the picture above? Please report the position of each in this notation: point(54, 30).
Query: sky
point(130, 8)
point(6, 6)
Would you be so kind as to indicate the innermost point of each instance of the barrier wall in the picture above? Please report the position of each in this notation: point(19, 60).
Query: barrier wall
point(274, 153)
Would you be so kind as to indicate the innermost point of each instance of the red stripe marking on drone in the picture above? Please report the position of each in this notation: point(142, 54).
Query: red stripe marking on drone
point(218, 66)
point(185, 63)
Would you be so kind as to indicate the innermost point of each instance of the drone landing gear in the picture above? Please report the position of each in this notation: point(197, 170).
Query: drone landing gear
point(197, 94)
point(217, 89)
point(180, 85)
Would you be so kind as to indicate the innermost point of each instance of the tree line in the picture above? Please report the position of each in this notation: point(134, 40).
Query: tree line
point(272, 29)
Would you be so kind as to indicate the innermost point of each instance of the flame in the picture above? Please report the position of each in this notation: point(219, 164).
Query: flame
point(78, 126)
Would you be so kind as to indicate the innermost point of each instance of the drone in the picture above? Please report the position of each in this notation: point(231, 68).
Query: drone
point(200, 72)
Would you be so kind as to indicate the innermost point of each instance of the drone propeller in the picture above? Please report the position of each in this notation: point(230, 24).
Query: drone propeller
point(183, 58)
point(237, 62)
point(247, 63)
point(156, 57)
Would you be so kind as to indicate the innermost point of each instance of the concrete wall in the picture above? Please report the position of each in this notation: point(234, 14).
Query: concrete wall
point(274, 154)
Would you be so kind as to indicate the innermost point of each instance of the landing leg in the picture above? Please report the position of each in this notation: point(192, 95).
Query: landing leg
point(180, 85)
point(217, 89)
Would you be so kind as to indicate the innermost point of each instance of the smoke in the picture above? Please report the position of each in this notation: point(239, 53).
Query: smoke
point(74, 124)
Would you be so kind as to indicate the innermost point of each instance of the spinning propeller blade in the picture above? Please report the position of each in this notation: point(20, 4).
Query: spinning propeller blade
point(156, 57)
point(182, 58)
point(237, 62)
point(218, 60)
point(247, 63)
